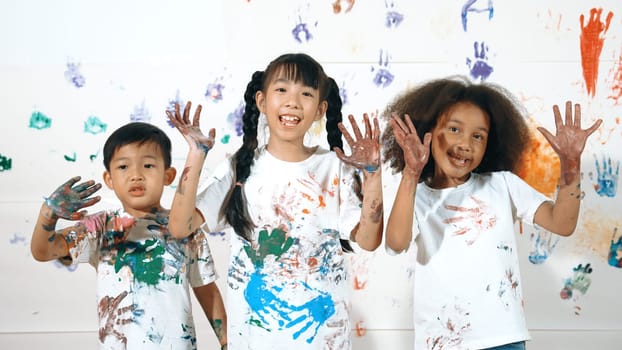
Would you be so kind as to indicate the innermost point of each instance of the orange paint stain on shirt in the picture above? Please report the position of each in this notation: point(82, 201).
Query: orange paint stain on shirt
point(358, 284)
point(616, 82)
point(360, 329)
point(540, 166)
point(592, 41)
point(322, 202)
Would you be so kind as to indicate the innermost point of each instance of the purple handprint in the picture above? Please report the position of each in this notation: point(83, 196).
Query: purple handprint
point(479, 68)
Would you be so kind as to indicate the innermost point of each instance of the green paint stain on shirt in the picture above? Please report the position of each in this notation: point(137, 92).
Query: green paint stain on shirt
point(275, 244)
point(144, 260)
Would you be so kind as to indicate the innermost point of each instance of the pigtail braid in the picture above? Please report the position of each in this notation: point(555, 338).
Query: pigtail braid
point(333, 115)
point(236, 209)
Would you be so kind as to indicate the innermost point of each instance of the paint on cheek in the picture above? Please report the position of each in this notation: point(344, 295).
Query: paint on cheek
point(540, 166)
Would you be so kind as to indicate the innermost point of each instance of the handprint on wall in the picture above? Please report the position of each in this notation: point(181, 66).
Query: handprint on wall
point(607, 172)
point(479, 67)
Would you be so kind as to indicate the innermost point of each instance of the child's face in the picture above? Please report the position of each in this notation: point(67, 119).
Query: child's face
point(290, 108)
point(458, 144)
point(138, 176)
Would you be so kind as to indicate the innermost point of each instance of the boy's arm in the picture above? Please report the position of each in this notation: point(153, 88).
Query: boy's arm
point(416, 154)
point(212, 304)
point(66, 202)
point(184, 218)
point(561, 216)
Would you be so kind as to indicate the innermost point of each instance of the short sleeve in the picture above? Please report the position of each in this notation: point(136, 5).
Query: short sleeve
point(526, 200)
point(350, 190)
point(201, 269)
point(211, 196)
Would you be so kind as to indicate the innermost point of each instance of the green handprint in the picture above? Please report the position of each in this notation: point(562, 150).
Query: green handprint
point(275, 244)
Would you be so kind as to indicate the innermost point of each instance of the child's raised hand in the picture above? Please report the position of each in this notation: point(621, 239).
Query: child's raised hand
point(365, 150)
point(192, 131)
point(67, 200)
point(569, 139)
point(416, 154)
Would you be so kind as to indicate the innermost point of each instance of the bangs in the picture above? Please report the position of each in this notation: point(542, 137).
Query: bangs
point(297, 72)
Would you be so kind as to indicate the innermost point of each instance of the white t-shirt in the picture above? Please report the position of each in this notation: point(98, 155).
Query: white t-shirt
point(143, 279)
point(468, 292)
point(287, 288)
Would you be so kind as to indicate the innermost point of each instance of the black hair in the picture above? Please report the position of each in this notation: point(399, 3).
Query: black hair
point(137, 132)
point(297, 67)
point(509, 134)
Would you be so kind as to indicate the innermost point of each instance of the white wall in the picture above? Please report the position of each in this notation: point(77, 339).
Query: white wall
point(138, 56)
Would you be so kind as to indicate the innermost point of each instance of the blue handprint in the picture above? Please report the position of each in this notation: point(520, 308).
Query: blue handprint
point(383, 77)
point(607, 178)
point(468, 7)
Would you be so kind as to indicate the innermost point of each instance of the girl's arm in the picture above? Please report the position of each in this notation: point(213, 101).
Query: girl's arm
point(400, 223)
point(561, 216)
point(212, 304)
point(66, 202)
point(184, 218)
point(366, 157)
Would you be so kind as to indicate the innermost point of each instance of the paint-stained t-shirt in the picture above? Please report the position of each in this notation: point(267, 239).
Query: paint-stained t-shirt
point(143, 279)
point(467, 288)
point(287, 287)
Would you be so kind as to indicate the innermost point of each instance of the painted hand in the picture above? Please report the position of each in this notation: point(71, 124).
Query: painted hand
point(569, 140)
point(365, 150)
point(416, 153)
point(192, 131)
point(67, 200)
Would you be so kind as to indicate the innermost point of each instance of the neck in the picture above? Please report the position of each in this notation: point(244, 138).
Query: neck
point(290, 152)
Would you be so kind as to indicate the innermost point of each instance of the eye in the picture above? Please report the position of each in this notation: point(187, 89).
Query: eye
point(149, 166)
point(308, 94)
point(453, 129)
point(122, 167)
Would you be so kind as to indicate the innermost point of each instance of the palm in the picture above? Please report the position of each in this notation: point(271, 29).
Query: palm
point(67, 200)
point(192, 130)
point(365, 149)
point(416, 153)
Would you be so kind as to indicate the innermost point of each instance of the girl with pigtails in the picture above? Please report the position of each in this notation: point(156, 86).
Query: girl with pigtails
point(294, 208)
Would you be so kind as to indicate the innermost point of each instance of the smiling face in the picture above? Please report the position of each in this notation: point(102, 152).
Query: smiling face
point(458, 144)
point(290, 108)
point(137, 176)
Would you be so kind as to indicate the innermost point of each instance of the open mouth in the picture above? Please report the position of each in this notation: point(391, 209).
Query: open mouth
point(289, 120)
point(459, 161)
point(137, 191)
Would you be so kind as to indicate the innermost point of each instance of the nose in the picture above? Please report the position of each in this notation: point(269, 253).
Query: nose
point(136, 176)
point(465, 143)
point(292, 102)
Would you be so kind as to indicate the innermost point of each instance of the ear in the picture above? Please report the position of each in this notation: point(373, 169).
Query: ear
point(169, 175)
point(260, 101)
point(108, 180)
point(321, 110)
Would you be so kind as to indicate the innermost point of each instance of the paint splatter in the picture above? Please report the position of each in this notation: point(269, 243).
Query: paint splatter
point(540, 166)
point(360, 328)
point(615, 251)
point(276, 243)
point(479, 67)
point(39, 121)
point(468, 7)
point(6, 163)
point(73, 75)
point(235, 119)
point(71, 158)
point(606, 182)
point(393, 18)
point(337, 6)
point(383, 77)
point(171, 106)
point(616, 85)
point(93, 125)
point(213, 92)
point(543, 244)
point(65, 264)
point(592, 40)
point(140, 113)
point(454, 323)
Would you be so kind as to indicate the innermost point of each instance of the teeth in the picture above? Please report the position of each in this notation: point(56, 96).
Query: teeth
point(288, 118)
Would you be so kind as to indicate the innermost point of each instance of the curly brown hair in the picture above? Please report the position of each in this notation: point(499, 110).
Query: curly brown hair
point(509, 134)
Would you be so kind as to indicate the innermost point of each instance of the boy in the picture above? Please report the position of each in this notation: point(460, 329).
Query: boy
point(143, 273)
